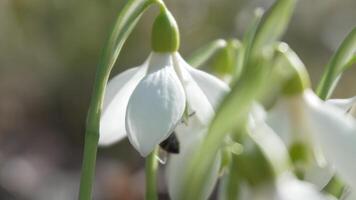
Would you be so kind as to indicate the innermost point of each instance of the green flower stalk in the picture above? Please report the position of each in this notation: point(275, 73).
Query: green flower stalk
point(125, 23)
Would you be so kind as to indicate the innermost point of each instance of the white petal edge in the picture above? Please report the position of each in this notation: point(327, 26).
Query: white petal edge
point(156, 106)
point(319, 175)
point(178, 164)
point(336, 133)
point(343, 104)
point(117, 94)
point(290, 188)
point(285, 187)
point(213, 88)
point(271, 145)
point(197, 101)
point(278, 118)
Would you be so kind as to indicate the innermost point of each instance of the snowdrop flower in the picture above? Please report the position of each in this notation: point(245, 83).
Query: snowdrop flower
point(147, 102)
point(177, 166)
point(302, 118)
point(283, 185)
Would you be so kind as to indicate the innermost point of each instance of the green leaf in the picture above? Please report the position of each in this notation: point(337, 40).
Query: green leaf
point(339, 62)
point(274, 23)
point(233, 112)
point(230, 116)
point(204, 53)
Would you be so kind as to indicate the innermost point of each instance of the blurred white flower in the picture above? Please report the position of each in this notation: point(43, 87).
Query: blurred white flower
point(146, 103)
point(285, 187)
point(347, 105)
point(332, 134)
point(178, 164)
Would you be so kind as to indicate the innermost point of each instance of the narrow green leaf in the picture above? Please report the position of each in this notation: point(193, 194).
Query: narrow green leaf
point(204, 53)
point(337, 65)
point(274, 23)
point(231, 115)
point(233, 112)
point(350, 63)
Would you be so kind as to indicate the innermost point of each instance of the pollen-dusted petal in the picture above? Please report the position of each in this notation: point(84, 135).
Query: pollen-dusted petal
point(117, 94)
point(197, 101)
point(213, 88)
point(343, 104)
point(336, 133)
point(178, 165)
point(156, 106)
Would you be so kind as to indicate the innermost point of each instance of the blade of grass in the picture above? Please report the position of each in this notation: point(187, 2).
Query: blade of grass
point(337, 65)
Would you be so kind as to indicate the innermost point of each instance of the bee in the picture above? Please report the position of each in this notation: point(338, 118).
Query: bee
point(171, 144)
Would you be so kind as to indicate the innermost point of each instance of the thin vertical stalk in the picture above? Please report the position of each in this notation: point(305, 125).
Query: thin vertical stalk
point(151, 176)
point(124, 25)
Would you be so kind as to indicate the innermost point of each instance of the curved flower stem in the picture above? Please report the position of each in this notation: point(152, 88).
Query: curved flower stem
point(124, 25)
point(151, 176)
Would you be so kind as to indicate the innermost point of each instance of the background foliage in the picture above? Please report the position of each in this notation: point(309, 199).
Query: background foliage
point(49, 50)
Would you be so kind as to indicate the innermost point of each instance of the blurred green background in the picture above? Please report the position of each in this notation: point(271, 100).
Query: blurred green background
point(49, 50)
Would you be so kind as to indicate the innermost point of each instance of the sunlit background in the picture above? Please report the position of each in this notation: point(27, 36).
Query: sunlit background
point(49, 50)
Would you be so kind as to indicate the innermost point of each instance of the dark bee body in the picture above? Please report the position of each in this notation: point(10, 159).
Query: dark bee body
point(171, 144)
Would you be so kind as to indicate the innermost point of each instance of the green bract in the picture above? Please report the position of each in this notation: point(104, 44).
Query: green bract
point(165, 33)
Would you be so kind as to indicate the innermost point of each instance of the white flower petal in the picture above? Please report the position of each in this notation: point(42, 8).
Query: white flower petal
point(348, 195)
point(117, 94)
point(196, 99)
point(288, 120)
point(213, 88)
point(278, 119)
point(319, 176)
point(285, 187)
point(156, 106)
point(343, 104)
point(336, 133)
point(290, 188)
point(178, 164)
point(271, 145)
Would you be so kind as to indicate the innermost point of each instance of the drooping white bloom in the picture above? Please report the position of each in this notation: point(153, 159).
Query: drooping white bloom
point(147, 102)
point(178, 164)
point(285, 186)
point(304, 117)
